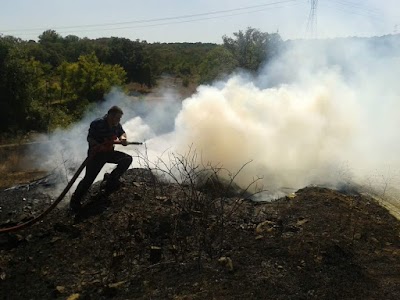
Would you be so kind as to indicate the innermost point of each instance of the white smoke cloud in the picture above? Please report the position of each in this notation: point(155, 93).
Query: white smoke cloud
point(322, 113)
point(289, 133)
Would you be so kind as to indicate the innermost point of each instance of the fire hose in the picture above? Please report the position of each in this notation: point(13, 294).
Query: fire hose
point(59, 198)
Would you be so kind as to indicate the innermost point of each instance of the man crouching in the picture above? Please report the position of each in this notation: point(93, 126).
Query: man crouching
point(103, 134)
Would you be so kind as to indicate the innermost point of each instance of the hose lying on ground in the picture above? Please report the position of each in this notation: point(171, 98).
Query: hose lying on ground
point(51, 207)
point(59, 198)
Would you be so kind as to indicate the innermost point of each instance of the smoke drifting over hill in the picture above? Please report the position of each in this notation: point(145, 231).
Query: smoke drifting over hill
point(324, 112)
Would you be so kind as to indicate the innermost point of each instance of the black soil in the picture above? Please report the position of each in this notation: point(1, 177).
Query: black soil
point(154, 240)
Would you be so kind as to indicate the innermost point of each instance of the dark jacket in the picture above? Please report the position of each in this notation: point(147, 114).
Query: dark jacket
point(101, 132)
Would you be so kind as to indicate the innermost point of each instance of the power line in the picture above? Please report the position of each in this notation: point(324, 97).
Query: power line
point(359, 11)
point(170, 23)
point(155, 19)
point(358, 6)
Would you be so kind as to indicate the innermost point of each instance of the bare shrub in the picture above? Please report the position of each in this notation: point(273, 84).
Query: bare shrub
point(206, 198)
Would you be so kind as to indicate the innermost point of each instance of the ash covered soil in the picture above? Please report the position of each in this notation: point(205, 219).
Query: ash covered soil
point(155, 240)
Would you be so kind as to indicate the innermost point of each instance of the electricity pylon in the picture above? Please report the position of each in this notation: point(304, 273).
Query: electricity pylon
point(312, 19)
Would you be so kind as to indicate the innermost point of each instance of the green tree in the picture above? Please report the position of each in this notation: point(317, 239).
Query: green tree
point(252, 47)
point(49, 49)
point(88, 79)
point(73, 47)
point(179, 59)
point(218, 63)
point(49, 83)
point(128, 54)
point(20, 83)
point(50, 37)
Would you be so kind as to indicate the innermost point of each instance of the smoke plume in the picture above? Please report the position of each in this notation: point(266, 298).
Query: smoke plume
point(323, 112)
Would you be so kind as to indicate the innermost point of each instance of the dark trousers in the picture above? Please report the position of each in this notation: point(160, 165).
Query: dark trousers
point(95, 164)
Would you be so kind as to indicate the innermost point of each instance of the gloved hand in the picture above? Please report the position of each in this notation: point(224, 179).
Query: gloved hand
point(124, 142)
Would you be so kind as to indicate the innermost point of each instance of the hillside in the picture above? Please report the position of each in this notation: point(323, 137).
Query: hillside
point(148, 240)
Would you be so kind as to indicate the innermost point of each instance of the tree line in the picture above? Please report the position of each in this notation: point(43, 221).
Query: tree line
point(50, 83)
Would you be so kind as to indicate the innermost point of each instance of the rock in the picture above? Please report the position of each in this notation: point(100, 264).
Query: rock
point(265, 226)
point(117, 284)
point(226, 262)
point(155, 254)
point(74, 297)
point(301, 222)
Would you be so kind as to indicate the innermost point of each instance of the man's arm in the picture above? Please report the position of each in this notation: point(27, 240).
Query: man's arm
point(122, 135)
point(123, 139)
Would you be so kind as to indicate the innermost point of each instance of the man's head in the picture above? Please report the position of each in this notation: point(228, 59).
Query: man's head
point(114, 115)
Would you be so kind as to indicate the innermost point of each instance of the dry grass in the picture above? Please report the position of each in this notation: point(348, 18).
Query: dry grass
point(15, 178)
point(13, 168)
point(11, 162)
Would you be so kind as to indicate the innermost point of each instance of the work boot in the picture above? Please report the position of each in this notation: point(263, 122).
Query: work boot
point(112, 185)
point(103, 183)
point(75, 205)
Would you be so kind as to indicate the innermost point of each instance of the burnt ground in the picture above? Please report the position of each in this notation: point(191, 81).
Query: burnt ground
point(154, 240)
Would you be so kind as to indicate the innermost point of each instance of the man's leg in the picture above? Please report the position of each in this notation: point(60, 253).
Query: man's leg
point(123, 161)
point(93, 168)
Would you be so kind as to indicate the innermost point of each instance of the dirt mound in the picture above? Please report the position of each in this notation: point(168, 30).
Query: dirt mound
point(154, 240)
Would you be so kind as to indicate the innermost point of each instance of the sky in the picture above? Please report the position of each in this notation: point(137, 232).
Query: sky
point(198, 21)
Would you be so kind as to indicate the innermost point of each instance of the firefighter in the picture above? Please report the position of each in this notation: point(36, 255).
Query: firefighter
point(103, 134)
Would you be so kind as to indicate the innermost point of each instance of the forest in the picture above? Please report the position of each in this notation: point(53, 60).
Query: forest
point(50, 83)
